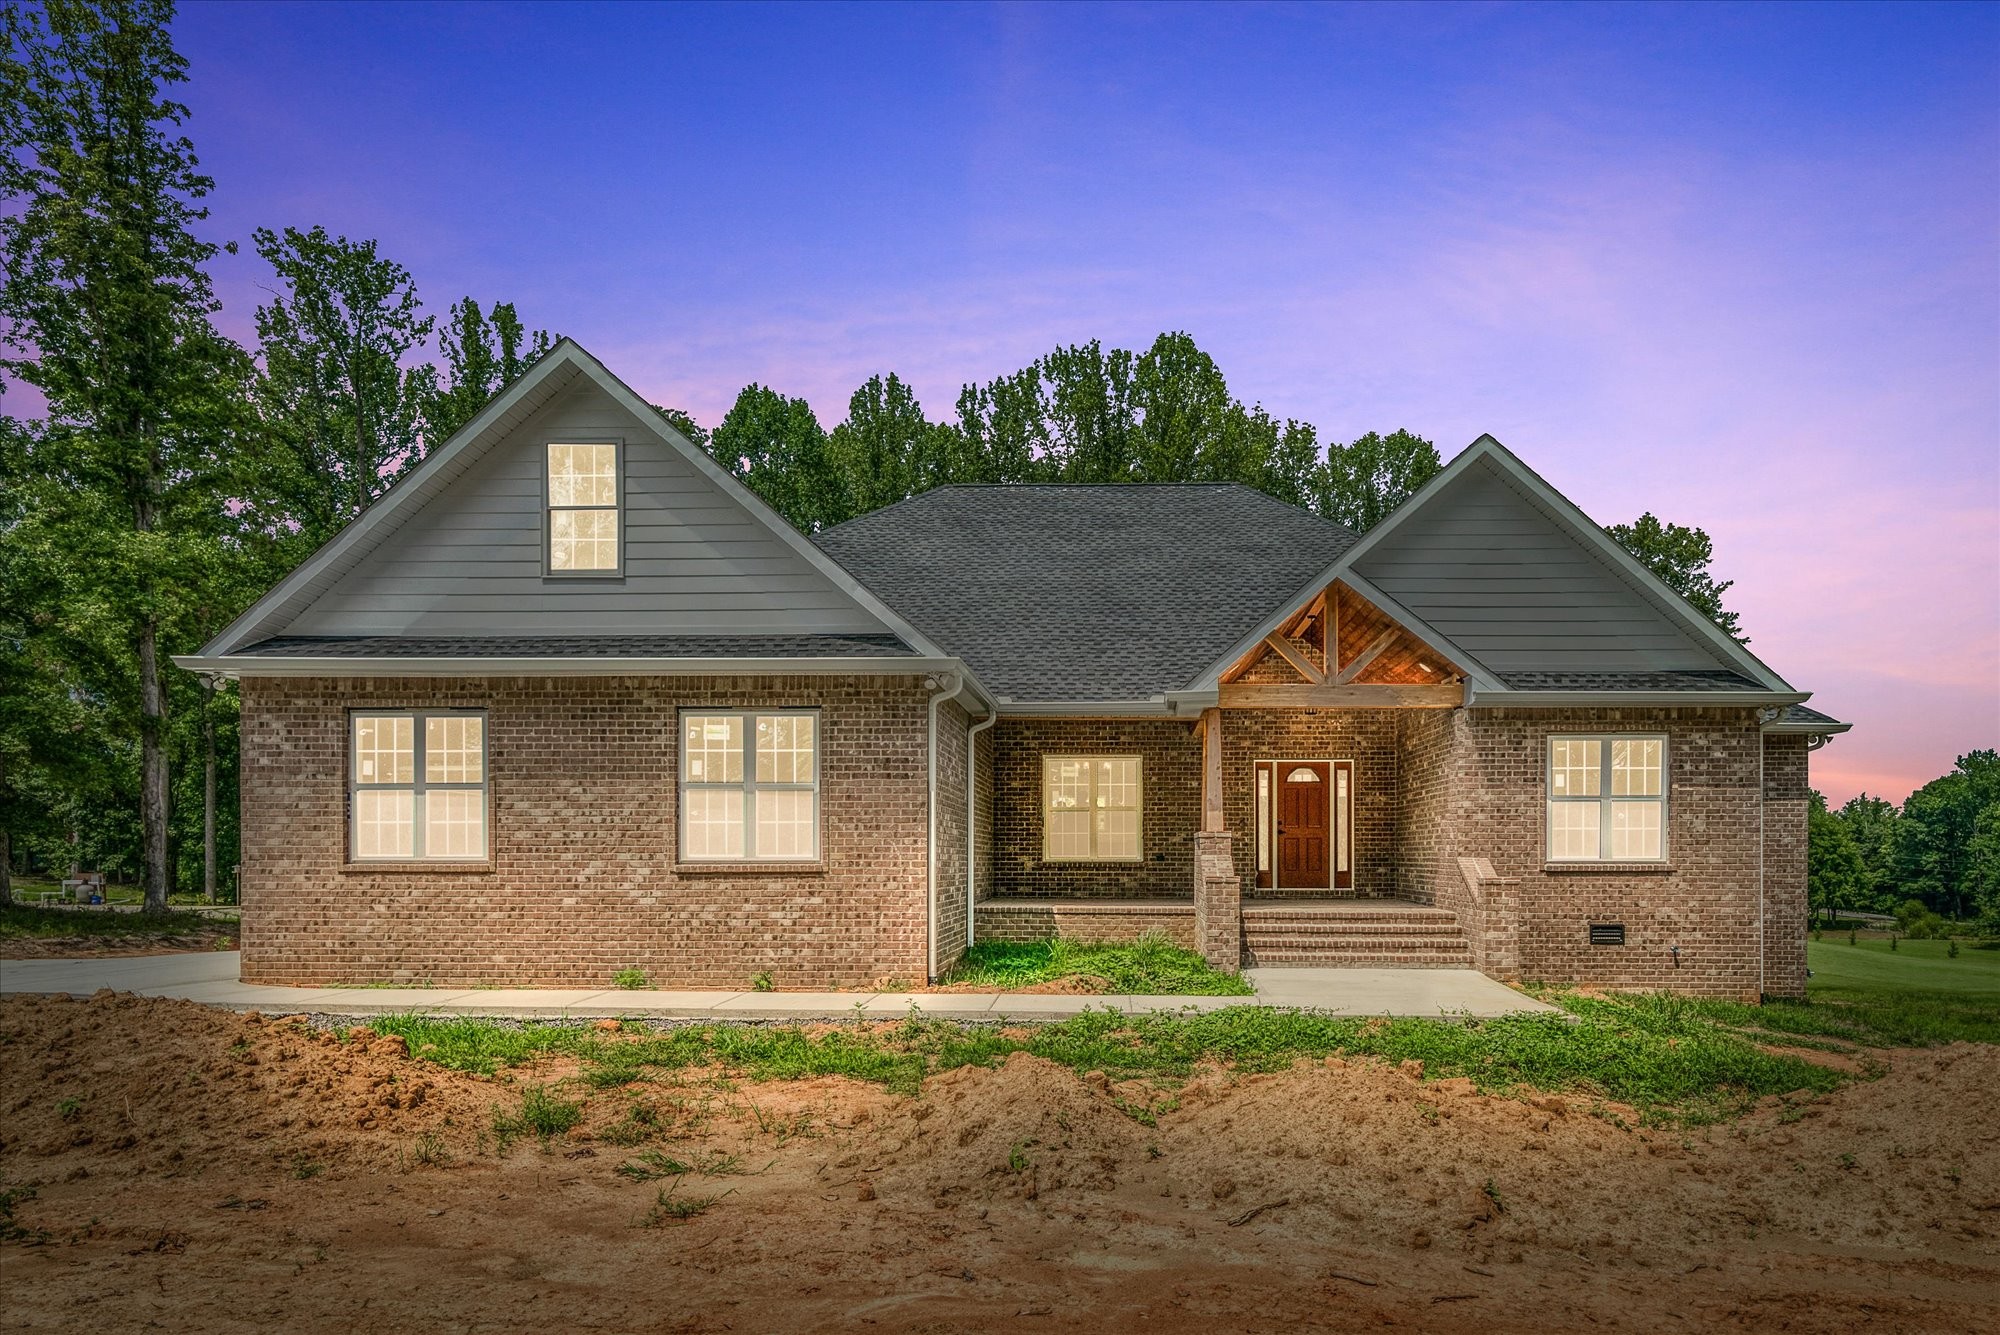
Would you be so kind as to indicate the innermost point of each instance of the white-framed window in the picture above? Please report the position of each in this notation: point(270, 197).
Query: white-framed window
point(749, 785)
point(585, 495)
point(1607, 798)
point(1090, 808)
point(417, 786)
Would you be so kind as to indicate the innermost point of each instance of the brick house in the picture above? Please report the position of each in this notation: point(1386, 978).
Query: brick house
point(569, 699)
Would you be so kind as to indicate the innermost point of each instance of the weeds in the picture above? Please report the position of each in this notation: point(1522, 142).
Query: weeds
point(1017, 1158)
point(10, 1231)
point(1150, 966)
point(69, 1109)
point(430, 1151)
point(653, 1165)
point(641, 1124)
point(763, 982)
point(305, 1170)
point(543, 1114)
point(673, 1208)
point(632, 980)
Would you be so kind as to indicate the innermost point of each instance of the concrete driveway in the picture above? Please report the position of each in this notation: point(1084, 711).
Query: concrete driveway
point(211, 978)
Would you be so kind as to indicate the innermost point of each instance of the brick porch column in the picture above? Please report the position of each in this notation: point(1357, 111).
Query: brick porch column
point(1218, 894)
point(1218, 901)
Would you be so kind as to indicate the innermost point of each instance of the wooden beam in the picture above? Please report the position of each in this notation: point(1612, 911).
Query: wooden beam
point(1332, 632)
point(1211, 771)
point(1294, 653)
point(1368, 655)
point(1335, 696)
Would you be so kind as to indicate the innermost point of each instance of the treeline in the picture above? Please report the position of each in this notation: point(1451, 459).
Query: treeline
point(173, 475)
point(1940, 849)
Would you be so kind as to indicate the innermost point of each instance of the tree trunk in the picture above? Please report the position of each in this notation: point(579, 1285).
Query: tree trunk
point(152, 770)
point(208, 789)
point(6, 870)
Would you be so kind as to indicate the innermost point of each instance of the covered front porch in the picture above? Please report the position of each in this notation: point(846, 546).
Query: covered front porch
point(1292, 822)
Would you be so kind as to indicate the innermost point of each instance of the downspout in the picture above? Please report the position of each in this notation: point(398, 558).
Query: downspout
point(939, 695)
point(972, 820)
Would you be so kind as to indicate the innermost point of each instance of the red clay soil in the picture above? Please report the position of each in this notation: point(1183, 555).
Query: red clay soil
point(195, 1170)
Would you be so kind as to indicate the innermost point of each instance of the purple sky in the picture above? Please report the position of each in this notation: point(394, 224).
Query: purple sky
point(1740, 266)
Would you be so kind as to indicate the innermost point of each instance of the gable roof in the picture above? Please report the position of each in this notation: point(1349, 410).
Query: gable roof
point(358, 588)
point(1534, 600)
point(1073, 594)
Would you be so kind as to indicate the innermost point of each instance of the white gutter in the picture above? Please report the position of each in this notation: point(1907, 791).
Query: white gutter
point(1687, 699)
point(235, 666)
point(939, 696)
point(972, 820)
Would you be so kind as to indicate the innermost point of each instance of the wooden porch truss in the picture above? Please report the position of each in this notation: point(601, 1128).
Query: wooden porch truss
point(1342, 652)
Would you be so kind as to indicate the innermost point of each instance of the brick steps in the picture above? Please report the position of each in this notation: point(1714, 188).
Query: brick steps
point(1335, 934)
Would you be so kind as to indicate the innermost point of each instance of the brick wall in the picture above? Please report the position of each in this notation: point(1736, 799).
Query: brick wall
point(1027, 921)
point(951, 834)
point(582, 880)
point(1368, 737)
point(1706, 902)
point(1785, 866)
point(1171, 774)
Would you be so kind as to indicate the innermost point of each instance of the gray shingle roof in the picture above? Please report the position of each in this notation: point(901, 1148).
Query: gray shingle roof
point(1799, 718)
point(1703, 679)
point(582, 646)
point(1087, 593)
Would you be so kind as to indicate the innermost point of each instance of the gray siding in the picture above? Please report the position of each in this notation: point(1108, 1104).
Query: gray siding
point(1487, 566)
point(469, 562)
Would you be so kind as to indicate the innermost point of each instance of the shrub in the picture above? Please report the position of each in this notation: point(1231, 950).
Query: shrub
point(763, 982)
point(631, 980)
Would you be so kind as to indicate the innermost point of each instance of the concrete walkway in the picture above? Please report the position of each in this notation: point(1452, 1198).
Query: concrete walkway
point(210, 978)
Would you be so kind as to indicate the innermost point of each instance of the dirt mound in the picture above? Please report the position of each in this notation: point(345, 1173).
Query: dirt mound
point(113, 947)
point(164, 1165)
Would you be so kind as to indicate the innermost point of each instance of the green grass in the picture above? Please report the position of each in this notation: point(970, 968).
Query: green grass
point(23, 922)
point(1675, 1059)
point(543, 1115)
point(1870, 966)
point(1150, 966)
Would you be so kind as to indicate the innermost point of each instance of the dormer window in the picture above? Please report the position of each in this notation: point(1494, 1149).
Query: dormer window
point(584, 497)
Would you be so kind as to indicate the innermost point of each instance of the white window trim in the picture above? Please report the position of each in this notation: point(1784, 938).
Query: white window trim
point(1138, 807)
point(419, 785)
point(749, 787)
point(1604, 797)
point(549, 508)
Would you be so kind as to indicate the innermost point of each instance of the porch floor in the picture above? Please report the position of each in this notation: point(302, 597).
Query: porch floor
point(1276, 907)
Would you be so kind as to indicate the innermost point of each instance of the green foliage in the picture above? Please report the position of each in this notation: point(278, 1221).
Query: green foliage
point(1932, 853)
point(483, 354)
point(762, 981)
point(1150, 966)
point(1871, 821)
point(543, 1114)
point(1364, 481)
point(19, 922)
point(1681, 556)
point(335, 397)
point(631, 979)
point(887, 449)
point(777, 448)
point(1835, 876)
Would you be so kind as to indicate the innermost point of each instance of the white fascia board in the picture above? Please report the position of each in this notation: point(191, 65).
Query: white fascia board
point(1807, 729)
point(732, 486)
point(400, 495)
point(1505, 699)
point(1156, 707)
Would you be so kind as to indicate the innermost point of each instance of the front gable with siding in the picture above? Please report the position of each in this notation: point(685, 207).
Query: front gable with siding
point(840, 760)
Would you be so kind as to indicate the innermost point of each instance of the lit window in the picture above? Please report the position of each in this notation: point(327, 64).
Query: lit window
point(1607, 799)
point(1090, 808)
point(583, 509)
point(417, 787)
point(750, 787)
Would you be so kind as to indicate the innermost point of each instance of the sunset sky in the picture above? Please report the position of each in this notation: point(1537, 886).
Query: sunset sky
point(1738, 266)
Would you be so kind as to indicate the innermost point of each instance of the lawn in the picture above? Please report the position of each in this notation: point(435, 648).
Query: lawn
point(1870, 966)
point(1150, 966)
point(23, 922)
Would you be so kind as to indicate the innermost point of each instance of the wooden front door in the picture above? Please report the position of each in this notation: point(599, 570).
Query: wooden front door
point(1305, 808)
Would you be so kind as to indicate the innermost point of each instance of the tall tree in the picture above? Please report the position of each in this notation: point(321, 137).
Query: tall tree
point(107, 298)
point(483, 353)
point(778, 448)
point(1365, 480)
point(1680, 557)
point(1185, 416)
point(334, 391)
point(1982, 877)
point(886, 449)
point(1835, 877)
point(1872, 823)
point(1932, 848)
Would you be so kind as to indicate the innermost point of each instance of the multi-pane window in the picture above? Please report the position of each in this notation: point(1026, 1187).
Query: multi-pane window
point(750, 786)
point(417, 786)
point(583, 509)
point(1090, 808)
point(1607, 799)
